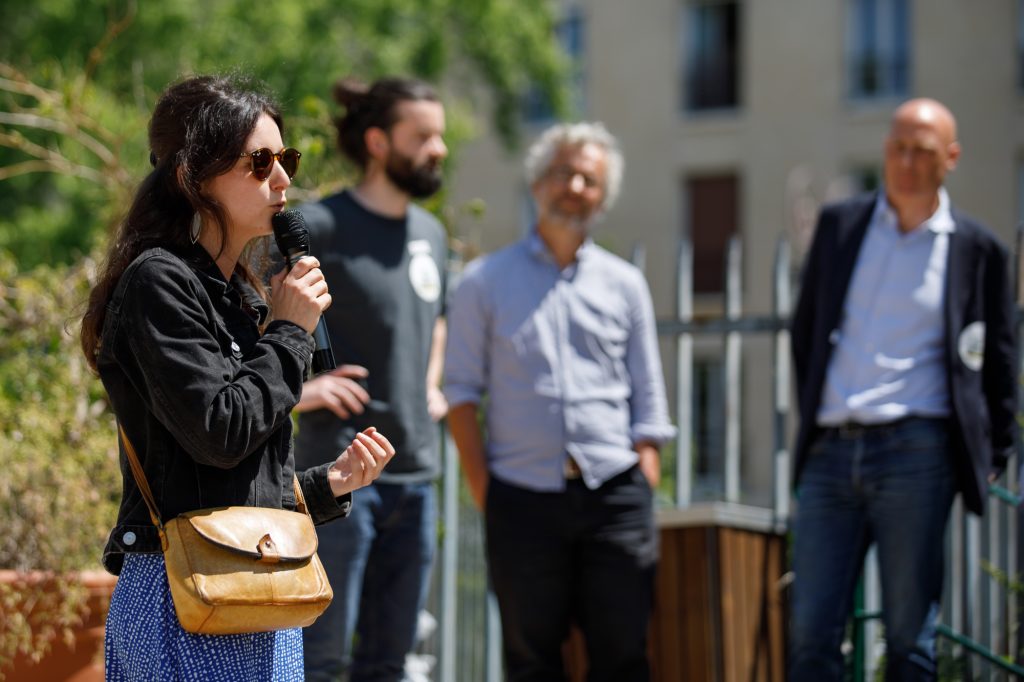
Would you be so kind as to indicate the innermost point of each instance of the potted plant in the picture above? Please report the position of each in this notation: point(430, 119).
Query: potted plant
point(61, 481)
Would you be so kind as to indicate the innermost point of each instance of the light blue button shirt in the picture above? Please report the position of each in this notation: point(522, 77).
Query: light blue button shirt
point(567, 359)
point(888, 360)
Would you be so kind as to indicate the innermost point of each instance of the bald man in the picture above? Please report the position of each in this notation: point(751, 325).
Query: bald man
point(903, 341)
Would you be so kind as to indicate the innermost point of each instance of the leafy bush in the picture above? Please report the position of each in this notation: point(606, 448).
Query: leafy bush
point(77, 83)
point(61, 482)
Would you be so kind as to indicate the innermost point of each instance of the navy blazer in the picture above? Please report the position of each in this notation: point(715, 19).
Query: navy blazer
point(978, 289)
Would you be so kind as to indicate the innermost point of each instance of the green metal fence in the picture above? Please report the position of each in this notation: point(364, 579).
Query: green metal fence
point(982, 599)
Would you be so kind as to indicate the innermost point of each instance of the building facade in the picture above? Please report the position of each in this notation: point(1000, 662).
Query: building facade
point(739, 117)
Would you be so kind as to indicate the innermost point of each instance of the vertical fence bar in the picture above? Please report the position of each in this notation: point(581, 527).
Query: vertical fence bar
point(493, 653)
point(781, 308)
point(981, 633)
point(449, 558)
point(1018, 270)
point(996, 597)
point(957, 579)
point(1014, 637)
point(684, 376)
point(639, 256)
point(1013, 613)
point(872, 604)
point(859, 655)
point(1004, 640)
point(972, 572)
point(733, 358)
point(1013, 527)
point(1007, 623)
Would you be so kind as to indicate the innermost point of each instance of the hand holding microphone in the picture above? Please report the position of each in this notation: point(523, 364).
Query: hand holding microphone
point(300, 295)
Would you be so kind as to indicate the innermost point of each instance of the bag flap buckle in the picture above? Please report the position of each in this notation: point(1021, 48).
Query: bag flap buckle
point(267, 535)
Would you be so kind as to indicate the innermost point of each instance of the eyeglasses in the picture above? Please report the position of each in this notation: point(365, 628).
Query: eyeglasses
point(263, 161)
point(566, 174)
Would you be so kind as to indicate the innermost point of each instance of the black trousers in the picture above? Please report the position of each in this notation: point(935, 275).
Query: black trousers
point(579, 556)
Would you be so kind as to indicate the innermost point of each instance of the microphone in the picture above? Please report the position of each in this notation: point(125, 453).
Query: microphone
point(293, 242)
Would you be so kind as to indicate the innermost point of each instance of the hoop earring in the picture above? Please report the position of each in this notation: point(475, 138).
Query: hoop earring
point(195, 228)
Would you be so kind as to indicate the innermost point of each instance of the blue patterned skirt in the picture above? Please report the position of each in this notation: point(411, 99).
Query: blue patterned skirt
point(144, 640)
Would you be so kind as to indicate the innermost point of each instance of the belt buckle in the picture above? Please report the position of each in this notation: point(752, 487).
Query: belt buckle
point(571, 470)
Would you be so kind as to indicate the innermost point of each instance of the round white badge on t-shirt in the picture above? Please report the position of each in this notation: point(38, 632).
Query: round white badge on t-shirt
point(423, 272)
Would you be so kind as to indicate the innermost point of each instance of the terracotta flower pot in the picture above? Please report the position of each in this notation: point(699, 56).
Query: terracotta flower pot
point(82, 661)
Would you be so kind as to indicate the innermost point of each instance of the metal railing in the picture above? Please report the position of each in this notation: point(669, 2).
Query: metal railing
point(969, 657)
point(980, 610)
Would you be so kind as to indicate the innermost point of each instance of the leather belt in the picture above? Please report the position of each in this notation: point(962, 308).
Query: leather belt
point(571, 470)
point(855, 430)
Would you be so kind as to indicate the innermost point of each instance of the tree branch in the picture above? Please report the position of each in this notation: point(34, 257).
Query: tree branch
point(72, 131)
point(21, 86)
point(51, 166)
point(96, 54)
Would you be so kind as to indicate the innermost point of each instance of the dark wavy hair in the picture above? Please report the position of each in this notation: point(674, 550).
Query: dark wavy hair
point(197, 132)
point(373, 106)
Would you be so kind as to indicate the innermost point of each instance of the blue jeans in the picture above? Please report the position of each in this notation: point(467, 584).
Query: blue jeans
point(583, 556)
point(378, 561)
point(892, 486)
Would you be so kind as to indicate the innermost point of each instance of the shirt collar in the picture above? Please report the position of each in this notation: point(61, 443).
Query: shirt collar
point(940, 222)
point(213, 280)
point(205, 268)
point(540, 250)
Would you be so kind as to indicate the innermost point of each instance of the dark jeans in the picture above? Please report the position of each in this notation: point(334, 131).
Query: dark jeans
point(891, 486)
point(580, 556)
point(378, 561)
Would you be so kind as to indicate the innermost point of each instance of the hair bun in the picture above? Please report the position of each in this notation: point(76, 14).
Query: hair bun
point(349, 92)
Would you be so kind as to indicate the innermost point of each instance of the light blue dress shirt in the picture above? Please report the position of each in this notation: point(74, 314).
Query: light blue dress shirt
point(566, 361)
point(888, 360)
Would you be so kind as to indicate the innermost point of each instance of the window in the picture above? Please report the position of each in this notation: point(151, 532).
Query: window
point(877, 48)
point(712, 218)
point(537, 107)
point(711, 39)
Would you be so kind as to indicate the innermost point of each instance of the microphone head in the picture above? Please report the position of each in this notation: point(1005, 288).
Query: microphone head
point(290, 233)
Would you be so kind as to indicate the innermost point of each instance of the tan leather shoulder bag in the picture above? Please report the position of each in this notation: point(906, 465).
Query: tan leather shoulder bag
point(240, 569)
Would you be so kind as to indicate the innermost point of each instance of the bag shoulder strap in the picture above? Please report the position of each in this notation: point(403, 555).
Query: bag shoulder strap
point(140, 480)
point(300, 499)
point(147, 495)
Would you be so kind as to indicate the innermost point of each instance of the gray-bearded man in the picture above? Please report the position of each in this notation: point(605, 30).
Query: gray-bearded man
point(558, 335)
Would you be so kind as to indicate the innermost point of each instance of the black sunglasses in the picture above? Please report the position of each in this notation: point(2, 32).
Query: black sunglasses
point(263, 161)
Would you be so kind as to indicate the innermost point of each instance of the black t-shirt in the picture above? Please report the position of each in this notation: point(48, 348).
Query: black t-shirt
point(387, 283)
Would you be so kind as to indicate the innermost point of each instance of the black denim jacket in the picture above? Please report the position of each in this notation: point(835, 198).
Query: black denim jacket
point(203, 397)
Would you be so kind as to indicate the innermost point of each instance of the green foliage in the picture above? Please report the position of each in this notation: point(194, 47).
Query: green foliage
point(62, 226)
point(665, 494)
point(59, 491)
point(61, 150)
point(1014, 585)
point(95, 67)
point(78, 79)
point(951, 664)
point(58, 495)
point(37, 611)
